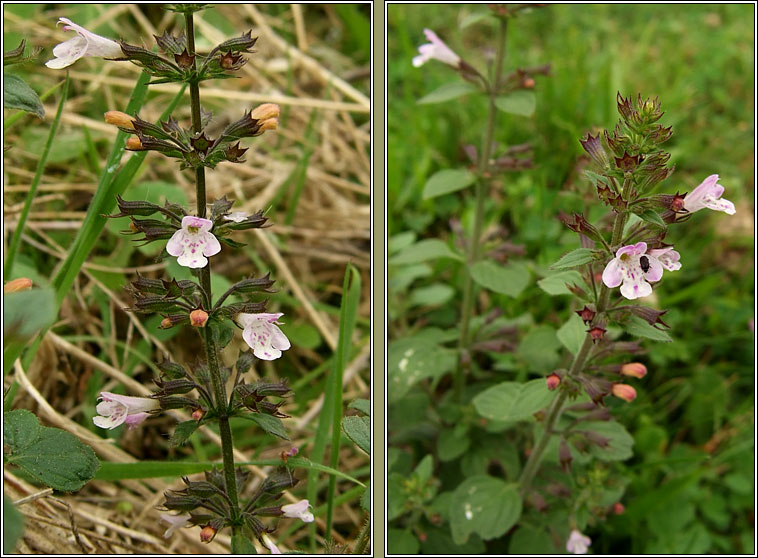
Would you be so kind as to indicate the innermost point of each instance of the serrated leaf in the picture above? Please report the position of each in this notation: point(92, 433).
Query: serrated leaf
point(52, 456)
point(639, 327)
point(241, 545)
point(182, 432)
point(362, 405)
point(575, 258)
point(427, 249)
point(653, 217)
point(358, 429)
point(557, 284)
point(513, 401)
point(620, 442)
point(572, 333)
point(448, 92)
point(447, 181)
point(483, 505)
point(272, 425)
point(521, 103)
point(18, 95)
point(510, 279)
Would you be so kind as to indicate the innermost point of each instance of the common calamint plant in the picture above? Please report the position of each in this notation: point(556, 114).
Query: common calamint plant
point(193, 238)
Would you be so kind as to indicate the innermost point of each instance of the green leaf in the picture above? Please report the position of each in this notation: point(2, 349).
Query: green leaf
point(447, 181)
point(575, 258)
point(401, 541)
point(52, 456)
point(366, 500)
point(513, 401)
point(620, 442)
point(476, 17)
point(424, 469)
point(539, 349)
point(483, 505)
point(272, 425)
point(241, 545)
point(510, 279)
point(413, 359)
point(431, 295)
point(362, 405)
point(522, 103)
point(557, 284)
point(182, 432)
point(452, 443)
point(653, 217)
point(13, 525)
point(639, 327)
point(157, 469)
point(448, 92)
point(18, 95)
point(528, 540)
point(358, 429)
point(427, 249)
point(572, 333)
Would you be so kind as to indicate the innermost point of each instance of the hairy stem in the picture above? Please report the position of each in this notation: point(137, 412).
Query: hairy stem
point(556, 408)
point(363, 538)
point(217, 382)
point(474, 246)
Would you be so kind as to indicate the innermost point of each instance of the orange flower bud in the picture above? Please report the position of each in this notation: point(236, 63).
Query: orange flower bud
point(166, 323)
point(634, 369)
point(624, 391)
point(270, 124)
point(207, 534)
point(553, 381)
point(528, 83)
point(265, 111)
point(198, 414)
point(120, 119)
point(198, 318)
point(134, 144)
point(20, 284)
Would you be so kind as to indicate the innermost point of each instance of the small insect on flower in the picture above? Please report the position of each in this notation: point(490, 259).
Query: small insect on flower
point(644, 264)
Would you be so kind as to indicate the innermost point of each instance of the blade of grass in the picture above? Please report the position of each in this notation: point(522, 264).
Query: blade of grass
point(298, 176)
point(16, 240)
point(155, 469)
point(351, 294)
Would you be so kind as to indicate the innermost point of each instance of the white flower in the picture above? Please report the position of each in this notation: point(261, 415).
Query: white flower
point(578, 543)
point(298, 510)
point(435, 50)
point(175, 522)
point(116, 410)
point(261, 333)
point(236, 216)
point(193, 242)
point(84, 44)
point(270, 544)
point(708, 195)
point(634, 266)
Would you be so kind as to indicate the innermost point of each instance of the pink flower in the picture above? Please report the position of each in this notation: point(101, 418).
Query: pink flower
point(261, 333)
point(270, 544)
point(634, 266)
point(436, 50)
point(175, 522)
point(578, 543)
point(84, 44)
point(299, 510)
point(115, 410)
point(193, 242)
point(708, 194)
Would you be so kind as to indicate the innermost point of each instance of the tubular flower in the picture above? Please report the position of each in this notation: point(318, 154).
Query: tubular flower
point(193, 242)
point(624, 391)
point(708, 194)
point(84, 44)
point(435, 49)
point(261, 333)
point(115, 410)
point(634, 266)
point(578, 543)
point(236, 216)
point(634, 369)
point(270, 544)
point(175, 522)
point(298, 510)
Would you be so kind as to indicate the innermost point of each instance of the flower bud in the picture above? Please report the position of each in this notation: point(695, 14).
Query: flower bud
point(528, 83)
point(618, 508)
point(198, 414)
point(20, 284)
point(207, 534)
point(597, 333)
point(198, 318)
point(624, 391)
point(166, 323)
point(586, 314)
point(270, 124)
point(553, 381)
point(265, 111)
point(134, 144)
point(634, 369)
point(120, 119)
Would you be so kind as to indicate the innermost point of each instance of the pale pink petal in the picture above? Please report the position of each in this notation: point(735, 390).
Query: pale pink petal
point(175, 522)
point(578, 543)
point(636, 289)
point(612, 274)
point(655, 271)
point(212, 245)
point(175, 245)
point(197, 222)
point(299, 510)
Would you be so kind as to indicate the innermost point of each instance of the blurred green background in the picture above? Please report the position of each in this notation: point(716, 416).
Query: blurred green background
point(692, 480)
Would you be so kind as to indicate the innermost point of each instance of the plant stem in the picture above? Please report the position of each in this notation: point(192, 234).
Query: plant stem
point(480, 193)
point(219, 389)
point(556, 408)
point(363, 538)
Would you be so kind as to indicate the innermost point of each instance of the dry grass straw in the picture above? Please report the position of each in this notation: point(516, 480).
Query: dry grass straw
point(331, 227)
